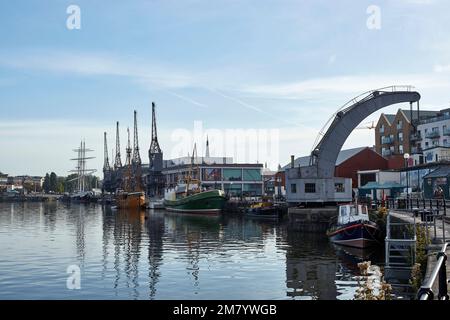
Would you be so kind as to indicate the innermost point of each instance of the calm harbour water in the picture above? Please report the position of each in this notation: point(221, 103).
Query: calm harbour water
point(159, 255)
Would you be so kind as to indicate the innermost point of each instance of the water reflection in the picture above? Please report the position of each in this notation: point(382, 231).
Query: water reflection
point(160, 255)
point(155, 230)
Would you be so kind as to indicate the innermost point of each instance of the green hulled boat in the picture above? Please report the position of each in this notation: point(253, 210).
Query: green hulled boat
point(206, 202)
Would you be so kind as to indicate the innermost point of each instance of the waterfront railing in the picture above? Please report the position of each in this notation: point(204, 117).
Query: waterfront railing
point(439, 274)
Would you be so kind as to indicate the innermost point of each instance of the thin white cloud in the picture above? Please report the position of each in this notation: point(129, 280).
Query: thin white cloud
point(187, 99)
point(97, 64)
point(347, 85)
point(439, 68)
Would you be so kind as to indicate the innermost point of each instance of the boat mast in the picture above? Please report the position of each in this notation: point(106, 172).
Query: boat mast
point(127, 186)
point(137, 162)
point(191, 170)
point(80, 169)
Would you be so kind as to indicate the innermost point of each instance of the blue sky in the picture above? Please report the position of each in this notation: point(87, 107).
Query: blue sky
point(285, 65)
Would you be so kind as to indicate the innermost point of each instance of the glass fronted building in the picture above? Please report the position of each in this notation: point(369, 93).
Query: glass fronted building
point(237, 180)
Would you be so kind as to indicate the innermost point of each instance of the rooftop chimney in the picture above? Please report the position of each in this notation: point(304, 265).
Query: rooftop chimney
point(292, 162)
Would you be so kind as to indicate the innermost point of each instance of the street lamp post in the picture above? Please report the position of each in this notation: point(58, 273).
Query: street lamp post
point(406, 156)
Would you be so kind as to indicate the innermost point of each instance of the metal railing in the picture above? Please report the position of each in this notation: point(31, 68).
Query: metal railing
point(387, 140)
point(415, 137)
point(400, 246)
point(350, 104)
point(429, 211)
point(435, 119)
point(433, 135)
point(440, 274)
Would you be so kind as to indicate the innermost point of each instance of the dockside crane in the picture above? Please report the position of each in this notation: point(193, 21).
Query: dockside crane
point(106, 167)
point(155, 182)
point(118, 160)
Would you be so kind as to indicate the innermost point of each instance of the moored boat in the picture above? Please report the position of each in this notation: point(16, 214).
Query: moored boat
point(132, 196)
point(354, 228)
point(155, 204)
point(264, 210)
point(190, 197)
point(206, 202)
point(130, 200)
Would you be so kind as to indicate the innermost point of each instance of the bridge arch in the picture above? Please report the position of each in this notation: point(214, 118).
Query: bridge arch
point(328, 144)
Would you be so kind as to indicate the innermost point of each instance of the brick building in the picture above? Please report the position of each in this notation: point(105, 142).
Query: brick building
point(395, 134)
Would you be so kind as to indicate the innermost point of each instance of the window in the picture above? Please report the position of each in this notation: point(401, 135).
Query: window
point(339, 188)
point(252, 175)
point(426, 144)
point(382, 129)
point(233, 190)
point(252, 190)
point(400, 148)
point(232, 174)
point(211, 174)
point(310, 188)
point(400, 137)
point(293, 188)
point(400, 124)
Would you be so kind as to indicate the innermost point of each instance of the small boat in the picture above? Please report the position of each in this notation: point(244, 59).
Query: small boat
point(130, 200)
point(81, 197)
point(264, 210)
point(354, 228)
point(156, 204)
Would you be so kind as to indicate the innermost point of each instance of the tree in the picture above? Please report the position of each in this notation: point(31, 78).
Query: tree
point(60, 185)
point(93, 182)
point(28, 187)
point(53, 182)
point(46, 185)
point(70, 183)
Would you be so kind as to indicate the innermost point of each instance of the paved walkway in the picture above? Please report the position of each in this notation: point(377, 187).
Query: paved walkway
point(440, 225)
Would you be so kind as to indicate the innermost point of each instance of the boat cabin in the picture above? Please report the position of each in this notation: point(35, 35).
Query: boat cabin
point(351, 213)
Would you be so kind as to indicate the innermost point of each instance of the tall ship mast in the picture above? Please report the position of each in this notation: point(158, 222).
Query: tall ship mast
point(136, 161)
point(131, 195)
point(80, 168)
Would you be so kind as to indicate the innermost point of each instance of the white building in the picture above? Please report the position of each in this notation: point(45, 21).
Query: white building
point(380, 177)
point(433, 139)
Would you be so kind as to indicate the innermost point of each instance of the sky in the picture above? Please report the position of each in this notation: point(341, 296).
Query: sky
point(265, 73)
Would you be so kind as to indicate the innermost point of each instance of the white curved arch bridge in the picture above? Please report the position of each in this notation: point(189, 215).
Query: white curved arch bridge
point(316, 182)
